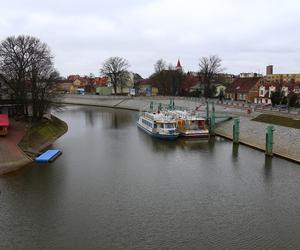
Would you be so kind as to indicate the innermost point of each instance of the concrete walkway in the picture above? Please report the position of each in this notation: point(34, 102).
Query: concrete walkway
point(252, 133)
point(11, 156)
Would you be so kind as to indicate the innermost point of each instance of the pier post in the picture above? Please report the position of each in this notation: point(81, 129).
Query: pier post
point(151, 106)
point(207, 110)
point(213, 120)
point(269, 140)
point(236, 130)
point(159, 107)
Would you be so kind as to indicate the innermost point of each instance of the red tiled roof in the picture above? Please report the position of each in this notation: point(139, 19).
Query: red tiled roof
point(242, 85)
point(190, 81)
point(101, 81)
point(73, 77)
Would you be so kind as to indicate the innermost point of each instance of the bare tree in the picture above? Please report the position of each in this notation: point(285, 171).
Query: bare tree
point(159, 68)
point(210, 67)
point(26, 66)
point(116, 68)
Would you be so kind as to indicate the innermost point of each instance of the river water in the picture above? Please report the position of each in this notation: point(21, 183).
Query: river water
point(115, 187)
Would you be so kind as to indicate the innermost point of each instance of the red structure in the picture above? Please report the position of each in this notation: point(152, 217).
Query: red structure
point(4, 124)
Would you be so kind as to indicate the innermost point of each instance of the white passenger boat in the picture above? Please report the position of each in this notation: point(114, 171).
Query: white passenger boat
point(158, 125)
point(191, 125)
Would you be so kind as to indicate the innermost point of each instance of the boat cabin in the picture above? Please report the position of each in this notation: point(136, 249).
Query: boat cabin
point(191, 124)
point(4, 124)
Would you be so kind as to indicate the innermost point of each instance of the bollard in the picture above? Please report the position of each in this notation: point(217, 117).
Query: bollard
point(207, 110)
point(236, 130)
point(213, 119)
point(151, 106)
point(159, 107)
point(269, 140)
point(212, 124)
point(170, 104)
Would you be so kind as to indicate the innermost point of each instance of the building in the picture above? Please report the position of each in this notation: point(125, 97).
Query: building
point(243, 89)
point(146, 87)
point(191, 83)
point(280, 77)
point(65, 86)
point(266, 89)
point(269, 70)
point(250, 74)
point(219, 89)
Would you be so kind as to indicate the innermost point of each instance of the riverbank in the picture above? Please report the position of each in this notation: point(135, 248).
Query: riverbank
point(252, 133)
point(24, 142)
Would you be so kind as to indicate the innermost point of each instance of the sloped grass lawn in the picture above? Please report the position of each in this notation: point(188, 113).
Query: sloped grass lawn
point(44, 132)
point(278, 120)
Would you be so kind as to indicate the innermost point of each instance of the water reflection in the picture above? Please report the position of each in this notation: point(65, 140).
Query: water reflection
point(115, 186)
point(268, 167)
point(235, 152)
point(90, 118)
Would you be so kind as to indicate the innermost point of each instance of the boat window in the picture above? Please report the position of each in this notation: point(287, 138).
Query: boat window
point(169, 125)
point(201, 124)
point(194, 125)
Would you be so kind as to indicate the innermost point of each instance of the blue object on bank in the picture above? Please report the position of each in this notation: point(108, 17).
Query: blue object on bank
point(48, 156)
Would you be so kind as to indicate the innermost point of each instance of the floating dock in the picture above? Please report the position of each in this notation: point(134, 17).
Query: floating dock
point(48, 156)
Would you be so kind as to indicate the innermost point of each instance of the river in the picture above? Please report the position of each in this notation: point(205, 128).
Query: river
point(115, 187)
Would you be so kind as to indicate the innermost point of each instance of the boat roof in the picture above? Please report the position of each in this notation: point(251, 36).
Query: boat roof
point(4, 122)
point(160, 117)
point(188, 115)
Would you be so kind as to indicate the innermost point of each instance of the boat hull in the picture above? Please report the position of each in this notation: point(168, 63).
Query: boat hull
point(191, 136)
point(170, 137)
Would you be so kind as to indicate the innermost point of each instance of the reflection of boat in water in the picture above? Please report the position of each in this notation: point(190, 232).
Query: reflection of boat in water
point(158, 125)
point(191, 125)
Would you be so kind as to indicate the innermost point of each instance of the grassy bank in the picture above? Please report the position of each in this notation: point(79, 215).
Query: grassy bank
point(278, 120)
point(42, 135)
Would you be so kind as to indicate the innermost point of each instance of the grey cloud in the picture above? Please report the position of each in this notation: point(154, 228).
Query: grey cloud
point(246, 34)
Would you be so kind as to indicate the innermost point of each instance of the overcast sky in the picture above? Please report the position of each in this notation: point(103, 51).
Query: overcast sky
point(246, 34)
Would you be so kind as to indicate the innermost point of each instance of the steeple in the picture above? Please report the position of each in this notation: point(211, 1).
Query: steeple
point(178, 66)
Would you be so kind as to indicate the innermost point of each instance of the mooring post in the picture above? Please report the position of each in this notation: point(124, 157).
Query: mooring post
point(213, 120)
point(151, 106)
point(159, 107)
point(207, 110)
point(269, 140)
point(236, 130)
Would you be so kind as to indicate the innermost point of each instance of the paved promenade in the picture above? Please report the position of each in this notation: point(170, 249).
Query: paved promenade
point(11, 156)
point(252, 133)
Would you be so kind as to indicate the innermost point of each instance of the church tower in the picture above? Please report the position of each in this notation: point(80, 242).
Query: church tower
point(178, 66)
